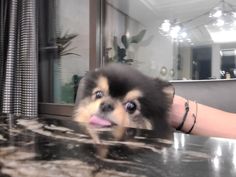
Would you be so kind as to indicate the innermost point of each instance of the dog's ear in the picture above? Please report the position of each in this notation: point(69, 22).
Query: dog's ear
point(80, 91)
point(167, 88)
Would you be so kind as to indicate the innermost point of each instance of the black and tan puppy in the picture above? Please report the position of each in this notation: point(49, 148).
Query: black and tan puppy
point(119, 96)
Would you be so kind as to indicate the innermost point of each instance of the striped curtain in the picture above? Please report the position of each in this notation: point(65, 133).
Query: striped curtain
point(18, 58)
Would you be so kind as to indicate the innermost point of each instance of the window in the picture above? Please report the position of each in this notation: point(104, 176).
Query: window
point(64, 49)
point(66, 53)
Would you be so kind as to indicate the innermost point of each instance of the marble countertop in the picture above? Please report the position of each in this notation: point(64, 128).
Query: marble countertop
point(53, 147)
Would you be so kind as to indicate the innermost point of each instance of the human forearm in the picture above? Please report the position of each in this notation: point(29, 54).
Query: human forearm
point(209, 121)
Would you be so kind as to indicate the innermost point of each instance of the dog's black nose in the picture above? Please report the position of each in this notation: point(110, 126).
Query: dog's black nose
point(106, 107)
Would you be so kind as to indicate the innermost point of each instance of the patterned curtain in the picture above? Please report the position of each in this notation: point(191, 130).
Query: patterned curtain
point(18, 58)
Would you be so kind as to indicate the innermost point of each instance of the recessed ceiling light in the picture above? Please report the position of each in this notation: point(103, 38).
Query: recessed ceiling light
point(221, 35)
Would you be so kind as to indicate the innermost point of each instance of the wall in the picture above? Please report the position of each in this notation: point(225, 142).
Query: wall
point(215, 61)
point(185, 62)
point(151, 54)
point(155, 52)
point(216, 93)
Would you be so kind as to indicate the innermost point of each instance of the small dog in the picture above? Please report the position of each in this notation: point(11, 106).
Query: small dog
point(120, 96)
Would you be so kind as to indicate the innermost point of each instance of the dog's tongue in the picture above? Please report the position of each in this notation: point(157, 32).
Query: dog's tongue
point(99, 121)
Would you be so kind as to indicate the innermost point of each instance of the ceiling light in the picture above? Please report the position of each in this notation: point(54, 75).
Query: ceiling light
point(174, 32)
point(183, 34)
point(223, 36)
point(219, 22)
point(234, 23)
point(228, 52)
point(176, 28)
point(234, 14)
point(223, 18)
point(165, 26)
point(216, 13)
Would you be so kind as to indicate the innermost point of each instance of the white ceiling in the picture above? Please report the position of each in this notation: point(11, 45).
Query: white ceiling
point(148, 11)
point(153, 12)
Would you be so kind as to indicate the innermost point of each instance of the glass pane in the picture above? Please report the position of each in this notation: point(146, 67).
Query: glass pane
point(171, 39)
point(64, 48)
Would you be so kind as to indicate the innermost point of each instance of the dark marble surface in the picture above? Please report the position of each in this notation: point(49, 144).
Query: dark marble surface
point(55, 147)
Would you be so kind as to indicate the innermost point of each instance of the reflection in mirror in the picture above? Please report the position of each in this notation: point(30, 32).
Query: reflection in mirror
point(189, 39)
point(228, 67)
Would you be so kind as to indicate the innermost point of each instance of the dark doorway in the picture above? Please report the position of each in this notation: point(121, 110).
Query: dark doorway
point(228, 66)
point(201, 62)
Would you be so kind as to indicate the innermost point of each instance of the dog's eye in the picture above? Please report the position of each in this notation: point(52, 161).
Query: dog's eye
point(98, 94)
point(130, 107)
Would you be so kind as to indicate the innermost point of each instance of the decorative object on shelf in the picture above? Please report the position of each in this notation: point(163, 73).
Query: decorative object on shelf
point(120, 52)
point(219, 21)
point(172, 73)
point(163, 71)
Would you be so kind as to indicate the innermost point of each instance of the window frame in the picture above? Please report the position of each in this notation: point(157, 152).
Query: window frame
point(96, 24)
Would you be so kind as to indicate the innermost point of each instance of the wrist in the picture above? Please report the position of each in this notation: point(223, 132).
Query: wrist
point(183, 114)
point(186, 107)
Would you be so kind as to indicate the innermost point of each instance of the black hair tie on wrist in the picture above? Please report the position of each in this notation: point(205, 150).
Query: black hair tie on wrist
point(195, 119)
point(185, 116)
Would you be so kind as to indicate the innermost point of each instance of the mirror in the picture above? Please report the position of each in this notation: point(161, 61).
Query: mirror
point(172, 39)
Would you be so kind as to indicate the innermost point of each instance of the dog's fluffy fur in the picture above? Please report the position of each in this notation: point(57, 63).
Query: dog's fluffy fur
point(120, 96)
